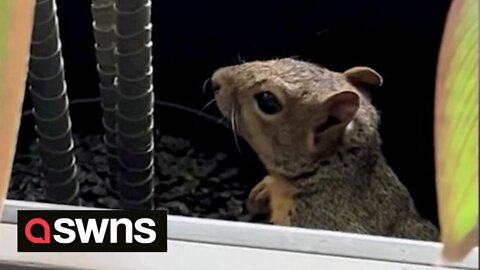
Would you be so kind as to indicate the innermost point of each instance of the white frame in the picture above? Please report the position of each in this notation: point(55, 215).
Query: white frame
point(224, 239)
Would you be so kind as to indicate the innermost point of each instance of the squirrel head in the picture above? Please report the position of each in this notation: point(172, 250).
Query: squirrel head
point(294, 113)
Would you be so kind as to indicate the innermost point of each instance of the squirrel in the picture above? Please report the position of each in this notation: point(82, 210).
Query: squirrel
point(316, 132)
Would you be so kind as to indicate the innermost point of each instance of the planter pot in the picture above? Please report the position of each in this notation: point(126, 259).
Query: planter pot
point(57, 159)
point(66, 192)
point(46, 66)
point(54, 127)
point(113, 165)
point(136, 64)
point(132, 22)
point(135, 161)
point(133, 126)
point(112, 161)
point(133, 197)
point(111, 145)
point(48, 87)
point(135, 191)
point(44, 10)
point(108, 95)
point(110, 135)
point(61, 176)
point(48, 46)
point(139, 194)
point(49, 107)
point(110, 139)
point(107, 78)
point(46, 28)
point(137, 106)
point(132, 43)
point(135, 87)
point(138, 177)
point(105, 58)
point(56, 143)
point(128, 5)
point(141, 141)
point(135, 94)
point(103, 15)
point(112, 183)
point(104, 37)
point(145, 204)
point(109, 120)
point(98, 3)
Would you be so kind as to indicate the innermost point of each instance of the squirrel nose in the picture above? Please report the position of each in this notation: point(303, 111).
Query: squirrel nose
point(220, 78)
point(211, 86)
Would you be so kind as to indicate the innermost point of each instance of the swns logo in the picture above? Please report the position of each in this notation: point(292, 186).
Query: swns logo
point(92, 231)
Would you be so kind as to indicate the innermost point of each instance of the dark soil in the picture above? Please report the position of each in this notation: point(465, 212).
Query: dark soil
point(188, 182)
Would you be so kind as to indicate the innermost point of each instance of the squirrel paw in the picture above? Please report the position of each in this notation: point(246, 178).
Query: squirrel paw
point(258, 199)
point(272, 195)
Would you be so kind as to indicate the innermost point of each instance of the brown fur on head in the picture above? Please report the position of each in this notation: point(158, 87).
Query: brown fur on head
point(294, 113)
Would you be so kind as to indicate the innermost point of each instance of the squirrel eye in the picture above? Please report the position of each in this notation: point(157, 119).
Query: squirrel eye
point(268, 102)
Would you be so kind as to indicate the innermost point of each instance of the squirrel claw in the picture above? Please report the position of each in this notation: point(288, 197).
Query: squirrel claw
point(258, 199)
point(273, 195)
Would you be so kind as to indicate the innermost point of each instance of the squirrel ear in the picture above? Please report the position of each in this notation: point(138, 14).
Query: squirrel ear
point(337, 111)
point(363, 76)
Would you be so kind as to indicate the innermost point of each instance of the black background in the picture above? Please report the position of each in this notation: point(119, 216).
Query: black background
point(400, 39)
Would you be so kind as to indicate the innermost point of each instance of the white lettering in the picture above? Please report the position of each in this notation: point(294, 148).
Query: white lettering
point(98, 234)
point(114, 228)
point(151, 233)
point(61, 229)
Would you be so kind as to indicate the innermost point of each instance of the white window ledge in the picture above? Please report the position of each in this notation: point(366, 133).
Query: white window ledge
point(196, 243)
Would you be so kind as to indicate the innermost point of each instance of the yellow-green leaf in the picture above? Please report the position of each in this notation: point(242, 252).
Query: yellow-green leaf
point(16, 21)
point(456, 131)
